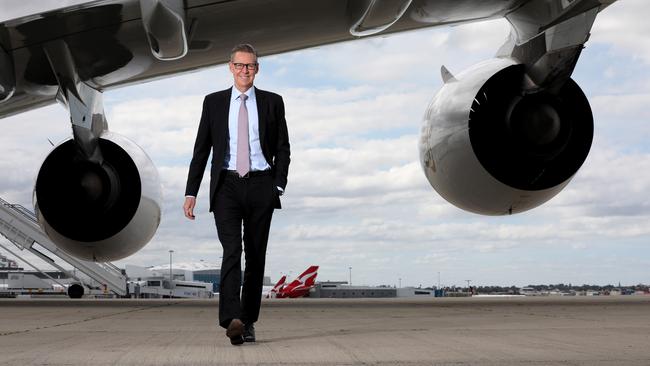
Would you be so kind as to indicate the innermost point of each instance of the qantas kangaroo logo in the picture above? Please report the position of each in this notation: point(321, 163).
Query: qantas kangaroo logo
point(298, 287)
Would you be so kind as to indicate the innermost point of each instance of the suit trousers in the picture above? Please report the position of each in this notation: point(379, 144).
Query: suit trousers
point(243, 206)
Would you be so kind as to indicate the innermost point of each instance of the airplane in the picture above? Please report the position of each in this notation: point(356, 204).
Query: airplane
point(499, 138)
point(297, 288)
point(271, 291)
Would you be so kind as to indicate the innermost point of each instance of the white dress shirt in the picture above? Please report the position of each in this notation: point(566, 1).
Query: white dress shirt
point(258, 162)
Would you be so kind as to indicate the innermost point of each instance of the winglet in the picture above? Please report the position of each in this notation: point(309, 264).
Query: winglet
point(447, 76)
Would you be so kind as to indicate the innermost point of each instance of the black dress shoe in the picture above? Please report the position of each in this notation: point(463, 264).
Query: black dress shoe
point(235, 331)
point(249, 332)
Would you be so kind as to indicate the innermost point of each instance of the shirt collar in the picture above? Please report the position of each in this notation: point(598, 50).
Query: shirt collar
point(234, 96)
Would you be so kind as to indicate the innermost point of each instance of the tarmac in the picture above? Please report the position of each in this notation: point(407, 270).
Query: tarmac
point(400, 331)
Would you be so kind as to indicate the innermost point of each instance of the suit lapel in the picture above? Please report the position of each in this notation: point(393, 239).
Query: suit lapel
point(261, 113)
point(223, 117)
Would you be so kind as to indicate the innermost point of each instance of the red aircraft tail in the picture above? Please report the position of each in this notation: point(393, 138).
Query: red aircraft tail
point(278, 287)
point(301, 285)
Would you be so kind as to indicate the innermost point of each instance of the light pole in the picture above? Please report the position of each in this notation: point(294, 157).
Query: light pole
point(400, 282)
point(350, 268)
point(469, 289)
point(170, 273)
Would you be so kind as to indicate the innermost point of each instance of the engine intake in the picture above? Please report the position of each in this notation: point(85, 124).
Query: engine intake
point(491, 145)
point(99, 212)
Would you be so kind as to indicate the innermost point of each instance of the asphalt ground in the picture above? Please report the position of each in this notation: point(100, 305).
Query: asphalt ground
point(432, 331)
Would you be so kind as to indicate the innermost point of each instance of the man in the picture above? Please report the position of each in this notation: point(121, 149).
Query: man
point(246, 131)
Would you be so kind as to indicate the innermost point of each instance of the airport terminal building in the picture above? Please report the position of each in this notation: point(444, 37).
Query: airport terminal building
point(195, 271)
point(342, 290)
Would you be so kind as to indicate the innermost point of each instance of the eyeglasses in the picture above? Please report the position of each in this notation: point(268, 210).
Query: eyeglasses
point(239, 66)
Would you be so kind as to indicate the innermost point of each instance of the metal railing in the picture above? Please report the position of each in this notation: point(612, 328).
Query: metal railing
point(20, 226)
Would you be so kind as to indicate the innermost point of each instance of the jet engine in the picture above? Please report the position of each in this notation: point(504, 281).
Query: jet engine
point(99, 211)
point(493, 143)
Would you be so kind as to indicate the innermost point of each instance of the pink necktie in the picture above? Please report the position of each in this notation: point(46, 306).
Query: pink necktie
point(243, 154)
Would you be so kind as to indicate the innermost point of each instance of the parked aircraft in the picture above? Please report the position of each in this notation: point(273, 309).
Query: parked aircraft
point(271, 291)
point(502, 137)
point(297, 288)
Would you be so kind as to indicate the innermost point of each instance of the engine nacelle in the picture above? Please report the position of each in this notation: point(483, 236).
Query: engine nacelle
point(492, 145)
point(99, 212)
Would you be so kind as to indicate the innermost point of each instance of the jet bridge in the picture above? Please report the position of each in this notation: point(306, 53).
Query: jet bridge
point(20, 227)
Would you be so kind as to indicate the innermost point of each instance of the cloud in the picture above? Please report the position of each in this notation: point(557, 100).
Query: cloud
point(624, 27)
point(611, 183)
point(164, 127)
point(492, 33)
point(357, 196)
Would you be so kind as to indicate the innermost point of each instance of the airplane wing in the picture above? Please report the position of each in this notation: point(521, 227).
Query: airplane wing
point(499, 138)
point(113, 43)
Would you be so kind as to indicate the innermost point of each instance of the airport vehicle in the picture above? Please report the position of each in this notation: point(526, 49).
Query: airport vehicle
point(160, 287)
point(502, 137)
point(297, 288)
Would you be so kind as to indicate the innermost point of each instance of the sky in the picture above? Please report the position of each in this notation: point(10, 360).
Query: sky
point(357, 201)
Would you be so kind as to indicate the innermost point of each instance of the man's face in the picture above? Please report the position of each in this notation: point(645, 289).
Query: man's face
point(245, 75)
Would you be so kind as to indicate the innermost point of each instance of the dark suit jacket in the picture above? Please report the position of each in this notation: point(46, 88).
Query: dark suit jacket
point(213, 135)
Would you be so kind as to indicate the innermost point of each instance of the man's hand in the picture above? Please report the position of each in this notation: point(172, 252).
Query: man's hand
point(188, 207)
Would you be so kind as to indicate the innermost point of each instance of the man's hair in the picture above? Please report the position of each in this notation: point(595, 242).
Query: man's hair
point(243, 47)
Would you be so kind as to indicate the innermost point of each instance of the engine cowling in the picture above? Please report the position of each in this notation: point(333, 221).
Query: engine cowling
point(491, 145)
point(99, 212)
